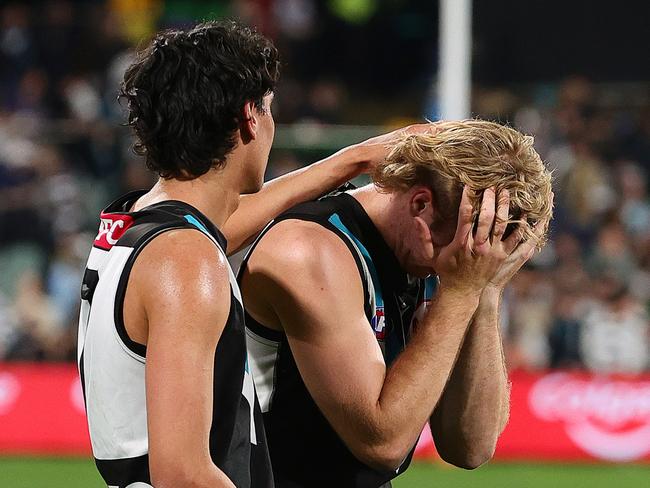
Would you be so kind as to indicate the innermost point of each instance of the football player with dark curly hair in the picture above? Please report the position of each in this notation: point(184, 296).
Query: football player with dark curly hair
point(162, 353)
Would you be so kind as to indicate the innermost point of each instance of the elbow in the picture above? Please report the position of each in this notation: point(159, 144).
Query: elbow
point(384, 456)
point(468, 457)
point(468, 461)
point(466, 446)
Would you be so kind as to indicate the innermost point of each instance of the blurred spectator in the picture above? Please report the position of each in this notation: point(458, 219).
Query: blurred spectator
point(530, 318)
point(565, 333)
point(635, 208)
point(611, 255)
point(39, 325)
point(615, 333)
point(65, 273)
point(17, 48)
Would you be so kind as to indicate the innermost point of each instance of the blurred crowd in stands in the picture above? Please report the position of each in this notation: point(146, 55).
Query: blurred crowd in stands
point(584, 302)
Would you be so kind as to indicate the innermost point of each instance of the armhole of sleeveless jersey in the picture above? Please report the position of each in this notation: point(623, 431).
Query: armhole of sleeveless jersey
point(368, 300)
point(253, 325)
point(135, 347)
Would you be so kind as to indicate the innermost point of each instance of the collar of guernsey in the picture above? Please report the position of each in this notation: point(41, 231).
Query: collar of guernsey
point(191, 214)
point(374, 248)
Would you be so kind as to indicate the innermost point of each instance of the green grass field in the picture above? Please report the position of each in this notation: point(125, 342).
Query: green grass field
point(80, 473)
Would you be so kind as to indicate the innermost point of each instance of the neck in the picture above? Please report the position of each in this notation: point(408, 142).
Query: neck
point(214, 194)
point(380, 208)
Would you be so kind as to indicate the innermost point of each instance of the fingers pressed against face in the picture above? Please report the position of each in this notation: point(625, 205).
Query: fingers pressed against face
point(485, 219)
point(503, 209)
point(540, 228)
point(513, 240)
point(529, 245)
point(464, 227)
point(527, 248)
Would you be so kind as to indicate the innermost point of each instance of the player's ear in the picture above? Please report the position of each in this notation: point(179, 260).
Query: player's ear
point(421, 210)
point(249, 123)
point(421, 202)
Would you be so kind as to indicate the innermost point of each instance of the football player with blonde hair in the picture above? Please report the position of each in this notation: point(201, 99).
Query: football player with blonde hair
point(375, 310)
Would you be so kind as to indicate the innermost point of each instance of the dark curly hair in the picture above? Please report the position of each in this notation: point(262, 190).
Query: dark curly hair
point(186, 90)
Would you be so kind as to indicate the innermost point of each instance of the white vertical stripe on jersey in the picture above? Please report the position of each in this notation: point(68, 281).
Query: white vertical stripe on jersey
point(113, 374)
point(262, 357)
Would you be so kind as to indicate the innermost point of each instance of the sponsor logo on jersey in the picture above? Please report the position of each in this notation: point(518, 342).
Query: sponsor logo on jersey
point(378, 323)
point(111, 228)
point(607, 418)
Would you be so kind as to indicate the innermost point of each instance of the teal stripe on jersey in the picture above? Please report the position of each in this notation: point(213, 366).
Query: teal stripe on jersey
point(192, 220)
point(336, 221)
point(430, 285)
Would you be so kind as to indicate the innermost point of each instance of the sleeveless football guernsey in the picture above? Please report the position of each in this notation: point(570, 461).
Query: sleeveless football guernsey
point(112, 366)
point(305, 450)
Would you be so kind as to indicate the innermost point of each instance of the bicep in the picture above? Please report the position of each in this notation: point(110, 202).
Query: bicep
point(319, 301)
point(341, 364)
point(187, 304)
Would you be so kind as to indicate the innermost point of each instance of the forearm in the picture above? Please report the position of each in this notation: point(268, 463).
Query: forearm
point(276, 196)
point(416, 381)
point(474, 407)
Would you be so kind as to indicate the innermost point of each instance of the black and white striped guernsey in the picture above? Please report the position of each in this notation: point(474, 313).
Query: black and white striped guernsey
point(112, 366)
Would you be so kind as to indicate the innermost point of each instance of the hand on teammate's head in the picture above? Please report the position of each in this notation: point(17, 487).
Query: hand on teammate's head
point(375, 150)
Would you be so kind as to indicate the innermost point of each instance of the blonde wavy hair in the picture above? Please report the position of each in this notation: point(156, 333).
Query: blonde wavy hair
point(478, 154)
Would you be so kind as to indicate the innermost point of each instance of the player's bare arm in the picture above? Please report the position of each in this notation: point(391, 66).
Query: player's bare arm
point(257, 209)
point(177, 303)
point(474, 408)
point(305, 282)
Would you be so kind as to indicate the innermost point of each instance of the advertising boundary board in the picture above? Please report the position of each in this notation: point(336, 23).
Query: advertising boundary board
point(555, 416)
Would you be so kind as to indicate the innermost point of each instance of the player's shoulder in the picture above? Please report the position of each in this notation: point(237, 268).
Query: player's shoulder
point(181, 283)
point(185, 246)
point(304, 244)
point(305, 265)
point(179, 262)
